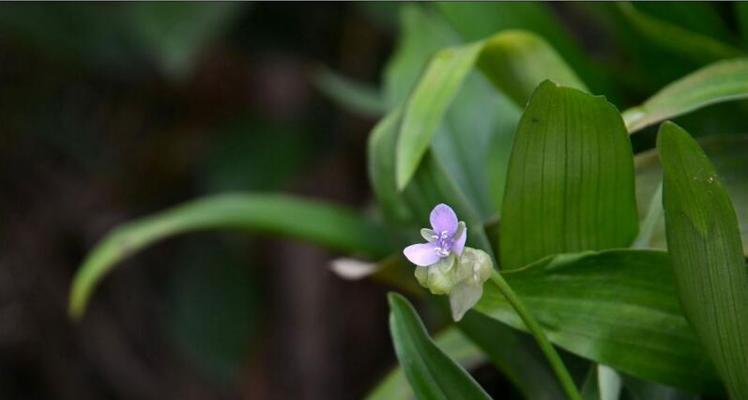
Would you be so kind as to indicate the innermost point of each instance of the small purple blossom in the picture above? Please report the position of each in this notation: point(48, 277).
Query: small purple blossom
point(447, 236)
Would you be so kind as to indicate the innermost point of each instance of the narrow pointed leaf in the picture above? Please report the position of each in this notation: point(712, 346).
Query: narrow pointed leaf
point(693, 45)
point(704, 240)
point(357, 97)
point(514, 61)
point(719, 82)
point(431, 373)
point(727, 153)
point(332, 226)
point(429, 101)
point(617, 307)
point(453, 343)
point(570, 185)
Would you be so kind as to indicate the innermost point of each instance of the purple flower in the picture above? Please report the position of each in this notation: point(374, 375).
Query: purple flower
point(447, 236)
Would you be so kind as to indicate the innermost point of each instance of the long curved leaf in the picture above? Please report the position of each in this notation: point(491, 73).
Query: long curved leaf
point(448, 70)
point(333, 226)
point(431, 373)
point(696, 46)
point(719, 82)
point(570, 185)
point(618, 307)
point(704, 240)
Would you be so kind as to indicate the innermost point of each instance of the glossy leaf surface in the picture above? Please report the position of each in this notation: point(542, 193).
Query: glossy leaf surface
point(618, 307)
point(570, 185)
point(704, 240)
point(431, 373)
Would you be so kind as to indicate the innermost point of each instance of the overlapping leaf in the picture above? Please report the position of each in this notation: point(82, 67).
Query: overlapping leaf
point(444, 77)
point(704, 240)
point(453, 343)
point(727, 153)
point(431, 373)
point(570, 185)
point(618, 307)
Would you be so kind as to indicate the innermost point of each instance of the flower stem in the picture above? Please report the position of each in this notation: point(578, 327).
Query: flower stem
point(564, 378)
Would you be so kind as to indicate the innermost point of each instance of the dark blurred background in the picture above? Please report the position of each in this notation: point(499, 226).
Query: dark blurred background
point(109, 112)
point(114, 111)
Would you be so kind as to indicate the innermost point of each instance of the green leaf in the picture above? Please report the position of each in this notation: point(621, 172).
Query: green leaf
point(453, 343)
point(617, 307)
point(515, 354)
point(355, 96)
point(517, 61)
point(693, 45)
point(426, 106)
point(422, 33)
point(431, 373)
point(381, 168)
point(727, 153)
point(570, 185)
point(333, 226)
point(446, 73)
point(704, 240)
point(719, 82)
point(475, 21)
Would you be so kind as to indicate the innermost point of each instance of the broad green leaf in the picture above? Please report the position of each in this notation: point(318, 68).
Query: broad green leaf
point(515, 354)
point(695, 46)
point(517, 61)
point(618, 307)
point(333, 226)
point(431, 373)
point(354, 96)
point(453, 343)
point(446, 73)
point(727, 153)
point(704, 240)
point(719, 82)
point(570, 185)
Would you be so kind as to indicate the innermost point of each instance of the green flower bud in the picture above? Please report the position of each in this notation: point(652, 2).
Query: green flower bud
point(460, 277)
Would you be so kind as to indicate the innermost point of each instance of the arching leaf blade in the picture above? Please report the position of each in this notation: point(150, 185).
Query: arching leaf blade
point(719, 82)
point(333, 226)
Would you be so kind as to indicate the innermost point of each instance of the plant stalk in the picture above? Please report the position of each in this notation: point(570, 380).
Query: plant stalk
point(564, 378)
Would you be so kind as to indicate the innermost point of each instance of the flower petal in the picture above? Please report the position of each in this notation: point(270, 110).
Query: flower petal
point(443, 218)
point(459, 244)
point(421, 254)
